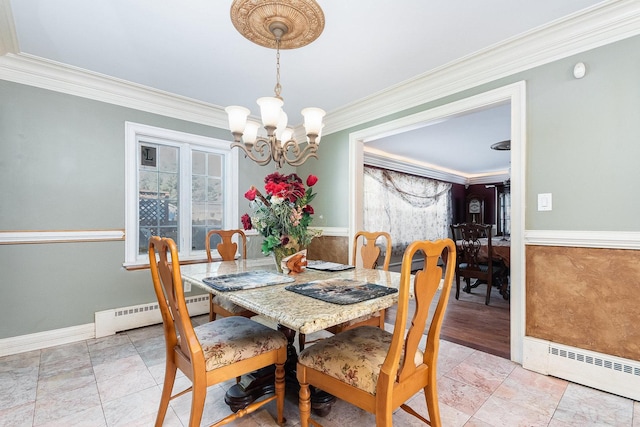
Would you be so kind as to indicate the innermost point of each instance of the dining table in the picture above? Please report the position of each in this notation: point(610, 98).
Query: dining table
point(279, 302)
point(501, 248)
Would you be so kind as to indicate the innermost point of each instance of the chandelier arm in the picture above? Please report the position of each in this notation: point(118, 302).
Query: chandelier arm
point(300, 156)
point(265, 156)
point(301, 161)
point(293, 144)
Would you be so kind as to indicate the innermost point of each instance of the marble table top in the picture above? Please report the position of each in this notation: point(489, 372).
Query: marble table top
point(294, 311)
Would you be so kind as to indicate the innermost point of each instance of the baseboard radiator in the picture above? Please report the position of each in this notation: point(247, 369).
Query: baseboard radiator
point(109, 322)
point(601, 371)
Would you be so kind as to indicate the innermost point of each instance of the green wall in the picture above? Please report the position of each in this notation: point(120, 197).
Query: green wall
point(583, 143)
point(62, 168)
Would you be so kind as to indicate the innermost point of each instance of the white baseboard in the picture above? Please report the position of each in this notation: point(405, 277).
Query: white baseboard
point(601, 371)
point(107, 322)
point(39, 340)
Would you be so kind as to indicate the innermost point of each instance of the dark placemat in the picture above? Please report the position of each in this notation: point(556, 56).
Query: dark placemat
point(341, 291)
point(246, 280)
point(327, 266)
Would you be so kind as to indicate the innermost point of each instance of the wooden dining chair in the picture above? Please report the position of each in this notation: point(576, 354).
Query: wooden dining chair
point(365, 245)
point(379, 371)
point(213, 352)
point(471, 263)
point(227, 249)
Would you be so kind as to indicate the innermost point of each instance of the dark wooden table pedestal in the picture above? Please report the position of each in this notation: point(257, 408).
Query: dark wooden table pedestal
point(262, 383)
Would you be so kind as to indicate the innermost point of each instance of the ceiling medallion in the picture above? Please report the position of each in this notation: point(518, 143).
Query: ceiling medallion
point(303, 19)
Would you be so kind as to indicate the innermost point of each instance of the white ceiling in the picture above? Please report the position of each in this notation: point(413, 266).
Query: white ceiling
point(191, 49)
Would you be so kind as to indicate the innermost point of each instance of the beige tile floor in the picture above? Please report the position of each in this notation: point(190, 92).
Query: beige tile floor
point(117, 380)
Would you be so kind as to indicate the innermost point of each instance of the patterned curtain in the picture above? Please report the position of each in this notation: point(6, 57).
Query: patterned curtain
point(409, 207)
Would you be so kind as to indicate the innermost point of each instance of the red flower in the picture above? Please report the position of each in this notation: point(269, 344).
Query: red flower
point(251, 194)
point(308, 209)
point(288, 187)
point(275, 189)
point(246, 221)
point(311, 180)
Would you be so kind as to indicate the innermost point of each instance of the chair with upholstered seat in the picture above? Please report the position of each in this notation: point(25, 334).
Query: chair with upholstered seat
point(227, 249)
point(472, 262)
point(211, 353)
point(365, 245)
point(379, 371)
point(369, 250)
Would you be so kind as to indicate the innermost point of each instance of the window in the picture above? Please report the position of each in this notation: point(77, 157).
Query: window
point(178, 185)
point(409, 207)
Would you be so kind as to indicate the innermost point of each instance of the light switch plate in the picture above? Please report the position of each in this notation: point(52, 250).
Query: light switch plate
point(544, 202)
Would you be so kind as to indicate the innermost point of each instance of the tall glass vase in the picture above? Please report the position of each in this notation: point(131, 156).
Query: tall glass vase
point(281, 252)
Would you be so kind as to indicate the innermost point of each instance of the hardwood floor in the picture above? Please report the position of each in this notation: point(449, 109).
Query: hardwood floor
point(469, 322)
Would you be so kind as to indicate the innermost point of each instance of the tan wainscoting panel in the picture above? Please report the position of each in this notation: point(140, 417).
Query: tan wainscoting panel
point(585, 297)
point(330, 248)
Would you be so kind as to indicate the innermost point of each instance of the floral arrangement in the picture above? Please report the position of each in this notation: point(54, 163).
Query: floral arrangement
point(283, 214)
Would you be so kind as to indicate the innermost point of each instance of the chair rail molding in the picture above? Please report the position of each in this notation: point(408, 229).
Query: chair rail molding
point(584, 239)
point(59, 236)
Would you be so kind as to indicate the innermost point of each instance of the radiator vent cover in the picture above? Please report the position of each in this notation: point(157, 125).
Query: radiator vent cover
point(109, 322)
point(596, 361)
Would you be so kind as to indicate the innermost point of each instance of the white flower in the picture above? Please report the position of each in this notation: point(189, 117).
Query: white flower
point(275, 200)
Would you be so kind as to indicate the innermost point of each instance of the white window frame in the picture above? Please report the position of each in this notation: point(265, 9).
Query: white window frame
point(186, 142)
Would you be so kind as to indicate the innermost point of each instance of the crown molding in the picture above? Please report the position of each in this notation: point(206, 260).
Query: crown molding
point(412, 167)
point(602, 24)
point(34, 71)
point(597, 26)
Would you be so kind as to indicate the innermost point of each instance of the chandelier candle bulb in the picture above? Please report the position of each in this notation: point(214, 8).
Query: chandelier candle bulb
point(270, 109)
point(287, 135)
point(282, 125)
point(312, 122)
point(237, 119)
point(250, 133)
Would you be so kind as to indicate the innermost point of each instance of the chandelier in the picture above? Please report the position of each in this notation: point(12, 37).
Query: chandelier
point(276, 24)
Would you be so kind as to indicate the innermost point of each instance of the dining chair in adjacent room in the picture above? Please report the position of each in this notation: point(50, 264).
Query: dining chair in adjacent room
point(365, 244)
point(379, 371)
point(472, 263)
point(213, 352)
point(227, 249)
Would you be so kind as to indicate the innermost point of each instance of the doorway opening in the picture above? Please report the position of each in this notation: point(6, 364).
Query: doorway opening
point(513, 94)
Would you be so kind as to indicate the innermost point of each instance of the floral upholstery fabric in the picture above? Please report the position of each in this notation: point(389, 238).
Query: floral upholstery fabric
point(231, 339)
point(228, 305)
point(354, 356)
